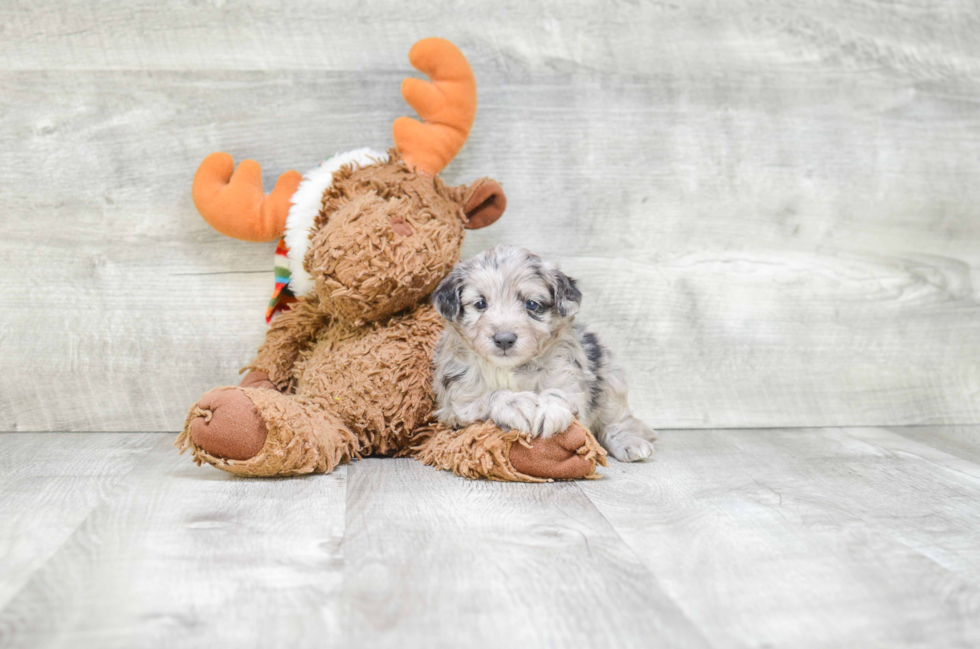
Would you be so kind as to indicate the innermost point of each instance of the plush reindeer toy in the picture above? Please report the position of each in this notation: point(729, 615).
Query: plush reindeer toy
point(345, 367)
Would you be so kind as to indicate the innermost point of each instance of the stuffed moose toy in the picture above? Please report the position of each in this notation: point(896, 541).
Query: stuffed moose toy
point(345, 368)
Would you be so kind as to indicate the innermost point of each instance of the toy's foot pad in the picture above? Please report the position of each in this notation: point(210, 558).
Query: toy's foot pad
point(227, 425)
point(560, 457)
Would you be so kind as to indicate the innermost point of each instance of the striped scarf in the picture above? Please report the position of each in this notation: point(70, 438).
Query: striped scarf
point(282, 297)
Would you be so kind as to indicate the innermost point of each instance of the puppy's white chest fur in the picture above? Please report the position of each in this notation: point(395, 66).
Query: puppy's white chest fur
point(498, 378)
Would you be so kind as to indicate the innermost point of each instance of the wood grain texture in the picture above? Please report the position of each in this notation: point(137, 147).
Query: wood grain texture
point(925, 36)
point(961, 441)
point(184, 556)
point(728, 538)
point(434, 560)
point(48, 485)
point(772, 210)
point(807, 538)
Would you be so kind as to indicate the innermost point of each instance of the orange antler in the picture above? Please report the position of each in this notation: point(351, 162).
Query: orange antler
point(232, 200)
point(447, 105)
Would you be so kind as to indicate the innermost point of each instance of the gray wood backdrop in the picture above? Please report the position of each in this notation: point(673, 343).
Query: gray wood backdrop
point(773, 208)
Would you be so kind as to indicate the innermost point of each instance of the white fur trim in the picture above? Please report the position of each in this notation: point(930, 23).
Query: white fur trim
point(306, 203)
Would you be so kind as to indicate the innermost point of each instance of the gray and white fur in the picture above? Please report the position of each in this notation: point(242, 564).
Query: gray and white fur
point(511, 353)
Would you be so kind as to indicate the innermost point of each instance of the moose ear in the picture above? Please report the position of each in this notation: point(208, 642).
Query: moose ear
point(446, 297)
point(484, 202)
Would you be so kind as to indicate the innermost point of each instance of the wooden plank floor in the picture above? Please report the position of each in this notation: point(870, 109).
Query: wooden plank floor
point(821, 537)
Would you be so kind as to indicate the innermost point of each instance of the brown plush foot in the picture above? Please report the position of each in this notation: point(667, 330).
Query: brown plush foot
point(255, 379)
point(228, 425)
point(556, 457)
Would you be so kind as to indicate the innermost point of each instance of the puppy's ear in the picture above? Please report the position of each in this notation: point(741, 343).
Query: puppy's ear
point(565, 293)
point(446, 298)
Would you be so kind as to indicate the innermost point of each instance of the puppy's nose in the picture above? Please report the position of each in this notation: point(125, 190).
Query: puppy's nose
point(504, 339)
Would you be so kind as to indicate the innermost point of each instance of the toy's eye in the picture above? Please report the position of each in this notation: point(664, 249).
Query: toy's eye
point(480, 304)
point(531, 305)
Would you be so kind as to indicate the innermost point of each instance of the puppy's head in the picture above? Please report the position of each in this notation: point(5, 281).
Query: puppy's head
point(507, 303)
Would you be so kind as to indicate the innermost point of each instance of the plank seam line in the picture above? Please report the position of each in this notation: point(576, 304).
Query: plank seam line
point(54, 552)
point(646, 569)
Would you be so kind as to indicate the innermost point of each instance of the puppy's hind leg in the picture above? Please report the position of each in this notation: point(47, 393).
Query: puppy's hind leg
point(628, 440)
point(625, 437)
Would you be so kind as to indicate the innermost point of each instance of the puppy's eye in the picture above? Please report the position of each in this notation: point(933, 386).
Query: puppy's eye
point(480, 304)
point(531, 305)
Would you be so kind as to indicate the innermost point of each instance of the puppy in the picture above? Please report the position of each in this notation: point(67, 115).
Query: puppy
point(512, 354)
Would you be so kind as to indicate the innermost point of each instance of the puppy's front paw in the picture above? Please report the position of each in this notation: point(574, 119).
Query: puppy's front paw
point(630, 449)
point(517, 412)
point(553, 416)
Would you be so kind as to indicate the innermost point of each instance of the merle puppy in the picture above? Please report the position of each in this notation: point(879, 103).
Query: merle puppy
point(512, 354)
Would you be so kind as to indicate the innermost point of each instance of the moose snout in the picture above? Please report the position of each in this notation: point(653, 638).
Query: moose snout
point(504, 340)
point(400, 226)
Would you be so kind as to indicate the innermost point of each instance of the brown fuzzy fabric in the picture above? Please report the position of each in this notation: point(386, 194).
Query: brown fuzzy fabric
point(484, 451)
point(302, 439)
point(290, 333)
point(352, 360)
point(379, 380)
point(478, 451)
point(364, 269)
